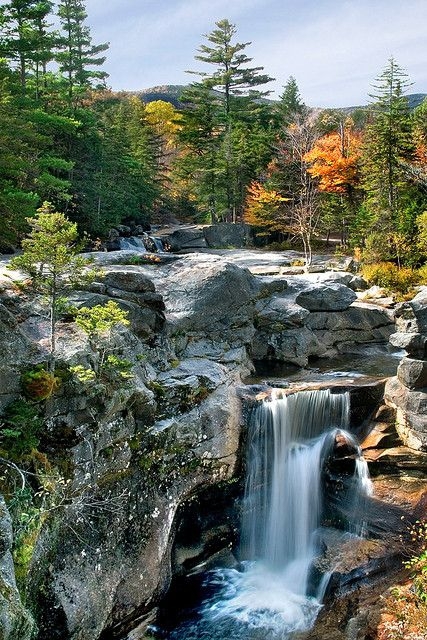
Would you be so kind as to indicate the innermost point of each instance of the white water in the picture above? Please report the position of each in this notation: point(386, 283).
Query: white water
point(137, 243)
point(289, 438)
point(273, 594)
point(133, 243)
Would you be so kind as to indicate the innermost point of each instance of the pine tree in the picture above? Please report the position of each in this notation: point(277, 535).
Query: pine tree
point(78, 54)
point(290, 105)
point(224, 99)
point(387, 143)
point(25, 38)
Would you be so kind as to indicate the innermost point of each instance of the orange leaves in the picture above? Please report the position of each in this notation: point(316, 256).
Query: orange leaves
point(334, 159)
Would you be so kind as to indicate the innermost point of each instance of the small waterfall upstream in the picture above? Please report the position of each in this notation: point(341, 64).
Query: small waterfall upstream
point(142, 244)
point(273, 593)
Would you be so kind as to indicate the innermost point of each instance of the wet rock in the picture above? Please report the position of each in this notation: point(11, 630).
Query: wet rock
point(124, 230)
point(294, 346)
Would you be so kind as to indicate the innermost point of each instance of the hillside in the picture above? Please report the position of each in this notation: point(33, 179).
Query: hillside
point(172, 93)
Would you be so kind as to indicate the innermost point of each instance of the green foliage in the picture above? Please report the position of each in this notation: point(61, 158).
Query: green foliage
point(225, 127)
point(387, 145)
point(118, 366)
point(77, 54)
point(50, 259)
point(83, 374)
point(98, 322)
point(422, 274)
point(100, 319)
point(421, 224)
point(389, 276)
point(20, 429)
point(27, 520)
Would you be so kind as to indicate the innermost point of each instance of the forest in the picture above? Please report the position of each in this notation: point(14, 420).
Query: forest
point(227, 153)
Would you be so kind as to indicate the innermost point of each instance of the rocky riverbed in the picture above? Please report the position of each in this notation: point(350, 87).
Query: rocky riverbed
point(133, 455)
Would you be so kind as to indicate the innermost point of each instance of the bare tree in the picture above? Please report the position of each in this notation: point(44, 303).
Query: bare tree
point(297, 139)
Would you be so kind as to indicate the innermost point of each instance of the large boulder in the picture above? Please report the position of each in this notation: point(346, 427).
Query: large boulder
point(412, 373)
point(113, 540)
point(411, 325)
point(192, 238)
point(226, 235)
point(207, 298)
point(329, 296)
point(359, 324)
point(126, 278)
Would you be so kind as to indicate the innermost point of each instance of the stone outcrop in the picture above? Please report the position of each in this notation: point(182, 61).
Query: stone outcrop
point(408, 392)
point(16, 622)
point(215, 236)
point(130, 452)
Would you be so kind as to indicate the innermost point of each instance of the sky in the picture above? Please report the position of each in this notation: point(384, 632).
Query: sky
point(334, 48)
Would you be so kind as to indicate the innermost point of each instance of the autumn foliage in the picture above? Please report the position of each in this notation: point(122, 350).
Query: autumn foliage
point(264, 207)
point(334, 159)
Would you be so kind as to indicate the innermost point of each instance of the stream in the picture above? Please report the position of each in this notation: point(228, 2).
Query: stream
point(273, 592)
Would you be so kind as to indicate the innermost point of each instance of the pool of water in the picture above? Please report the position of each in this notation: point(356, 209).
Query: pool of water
point(375, 361)
point(248, 603)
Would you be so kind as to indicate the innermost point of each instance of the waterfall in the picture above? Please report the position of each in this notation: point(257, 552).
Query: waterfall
point(133, 243)
point(291, 441)
point(142, 244)
point(287, 438)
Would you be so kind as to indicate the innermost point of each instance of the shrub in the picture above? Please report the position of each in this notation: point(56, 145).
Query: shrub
point(422, 274)
point(405, 610)
point(39, 384)
point(101, 319)
point(389, 276)
point(20, 428)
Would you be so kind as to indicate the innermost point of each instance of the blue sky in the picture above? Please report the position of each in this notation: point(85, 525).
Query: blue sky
point(334, 48)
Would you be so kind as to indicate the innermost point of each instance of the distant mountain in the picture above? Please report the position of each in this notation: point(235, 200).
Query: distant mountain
point(168, 93)
point(172, 93)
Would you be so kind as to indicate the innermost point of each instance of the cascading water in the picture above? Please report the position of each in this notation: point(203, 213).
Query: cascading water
point(289, 440)
point(142, 244)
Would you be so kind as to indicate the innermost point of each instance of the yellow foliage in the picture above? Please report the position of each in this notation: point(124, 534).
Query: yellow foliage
point(264, 207)
point(389, 276)
point(164, 119)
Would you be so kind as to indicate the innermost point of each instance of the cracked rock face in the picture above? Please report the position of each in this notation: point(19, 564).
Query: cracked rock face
point(408, 392)
point(16, 622)
point(132, 453)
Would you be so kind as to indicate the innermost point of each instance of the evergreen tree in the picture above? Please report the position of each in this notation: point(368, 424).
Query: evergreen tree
point(50, 259)
point(290, 105)
point(222, 104)
point(114, 177)
point(25, 40)
point(388, 143)
point(78, 54)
